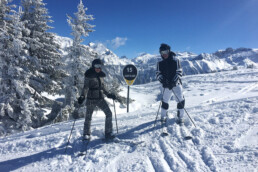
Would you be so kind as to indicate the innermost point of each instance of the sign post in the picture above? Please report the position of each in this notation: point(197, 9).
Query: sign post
point(130, 74)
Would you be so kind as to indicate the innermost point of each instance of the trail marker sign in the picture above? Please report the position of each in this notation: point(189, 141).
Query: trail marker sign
point(129, 74)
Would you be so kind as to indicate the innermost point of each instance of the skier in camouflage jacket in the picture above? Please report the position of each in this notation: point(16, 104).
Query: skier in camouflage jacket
point(95, 89)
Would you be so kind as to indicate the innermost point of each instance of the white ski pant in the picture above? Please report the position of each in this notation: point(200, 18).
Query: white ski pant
point(167, 94)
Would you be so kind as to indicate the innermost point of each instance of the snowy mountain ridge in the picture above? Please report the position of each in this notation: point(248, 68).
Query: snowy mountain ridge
point(227, 59)
point(107, 55)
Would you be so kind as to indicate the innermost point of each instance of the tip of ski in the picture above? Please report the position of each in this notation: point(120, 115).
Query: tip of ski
point(164, 134)
point(188, 138)
point(82, 154)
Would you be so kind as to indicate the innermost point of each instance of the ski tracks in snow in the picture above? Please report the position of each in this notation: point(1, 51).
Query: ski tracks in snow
point(187, 151)
point(227, 123)
point(173, 153)
point(218, 143)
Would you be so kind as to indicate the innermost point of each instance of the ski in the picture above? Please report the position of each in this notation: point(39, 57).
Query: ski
point(186, 135)
point(164, 131)
point(164, 134)
point(85, 143)
point(179, 123)
point(188, 138)
point(114, 140)
point(84, 148)
point(131, 143)
point(122, 141)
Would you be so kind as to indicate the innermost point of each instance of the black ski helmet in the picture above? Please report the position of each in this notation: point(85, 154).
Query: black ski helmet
point(164, 47)
point(96, 61)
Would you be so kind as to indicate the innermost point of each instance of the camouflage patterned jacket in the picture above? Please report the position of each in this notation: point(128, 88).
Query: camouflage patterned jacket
point(94, 86)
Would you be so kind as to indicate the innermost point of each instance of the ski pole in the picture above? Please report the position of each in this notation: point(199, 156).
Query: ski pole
point(157, 114)
point(115, 115)
point(70, 136)
point(184, 108)
point(159, 108)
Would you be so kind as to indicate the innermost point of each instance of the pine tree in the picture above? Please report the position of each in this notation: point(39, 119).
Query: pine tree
point(42, 48)
point(5, 9)
point(16, 105)
point(26, 71)
point(79, 55)
point(45, 59)
point(80, 25)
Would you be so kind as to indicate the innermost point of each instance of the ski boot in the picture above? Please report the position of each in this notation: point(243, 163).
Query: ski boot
point(110, 136)
point(163, 120)
point(180, 120)
point(86, 137)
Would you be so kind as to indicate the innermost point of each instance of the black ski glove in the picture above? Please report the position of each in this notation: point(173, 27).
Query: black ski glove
point(171, 85)
point(160, 79)
point(81, 99)
point(165, 83)
point(111, 96)
point(176, 78)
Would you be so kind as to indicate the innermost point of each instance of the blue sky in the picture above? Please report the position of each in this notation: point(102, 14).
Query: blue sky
point(130, 27)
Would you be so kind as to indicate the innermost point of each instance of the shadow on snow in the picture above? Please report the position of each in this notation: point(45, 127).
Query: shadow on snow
point(17, 163)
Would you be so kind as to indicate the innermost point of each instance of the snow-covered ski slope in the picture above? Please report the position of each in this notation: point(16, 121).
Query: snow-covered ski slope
point(223, 105)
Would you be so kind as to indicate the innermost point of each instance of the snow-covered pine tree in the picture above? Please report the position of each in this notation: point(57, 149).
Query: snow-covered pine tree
point(17, 107)
point(5, 25)
point(45, 59)
point(47, 74)
point(29, 63)
point(79, 55)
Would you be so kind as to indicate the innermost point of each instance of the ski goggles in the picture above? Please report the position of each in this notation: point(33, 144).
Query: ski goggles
point(164, 52)
point(97, 66)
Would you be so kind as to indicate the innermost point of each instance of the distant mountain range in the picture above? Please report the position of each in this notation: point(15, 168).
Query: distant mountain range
point(228, 59)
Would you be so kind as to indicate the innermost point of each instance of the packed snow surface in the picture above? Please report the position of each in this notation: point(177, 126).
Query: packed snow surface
point(223, 106)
